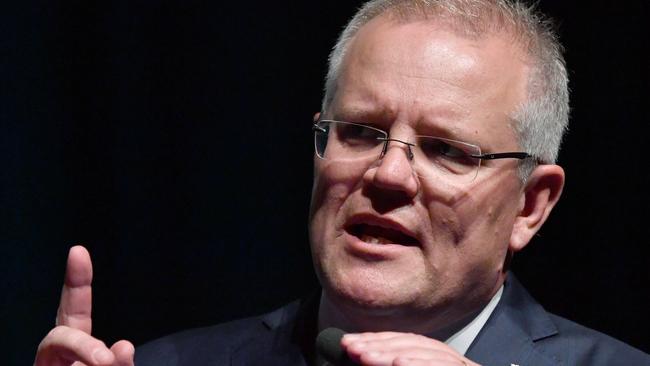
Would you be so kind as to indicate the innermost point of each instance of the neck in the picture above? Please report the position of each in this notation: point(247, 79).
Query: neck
point(439, 323)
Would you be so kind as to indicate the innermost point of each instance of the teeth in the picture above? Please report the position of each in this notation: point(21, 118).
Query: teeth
point(374, 239)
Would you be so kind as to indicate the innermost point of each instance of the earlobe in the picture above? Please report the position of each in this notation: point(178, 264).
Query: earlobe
point(316, 117)
point(541, 193)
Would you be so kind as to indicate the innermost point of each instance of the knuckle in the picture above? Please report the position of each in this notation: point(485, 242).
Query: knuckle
point(57, 332)
point(49, 345)
point(46, 343)
point(42, 346)
point(63, 342)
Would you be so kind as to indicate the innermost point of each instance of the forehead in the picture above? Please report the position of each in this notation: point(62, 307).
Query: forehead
point(428, 76)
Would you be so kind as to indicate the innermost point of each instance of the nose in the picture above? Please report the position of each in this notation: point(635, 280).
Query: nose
point(394, 171)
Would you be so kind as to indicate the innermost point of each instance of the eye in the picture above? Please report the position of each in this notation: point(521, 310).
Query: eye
point(357, 135)
point(451, 151)
point(446, 153)
point(434, 148)
point(350, 132)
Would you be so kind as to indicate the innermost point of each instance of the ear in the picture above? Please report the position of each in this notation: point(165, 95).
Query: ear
point(316, 116)
point(541, 192)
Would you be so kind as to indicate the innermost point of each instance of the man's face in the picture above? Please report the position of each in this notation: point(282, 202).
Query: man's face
point(387, 240)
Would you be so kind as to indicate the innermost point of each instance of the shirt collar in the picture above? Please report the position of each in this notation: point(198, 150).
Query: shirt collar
point(462, 339)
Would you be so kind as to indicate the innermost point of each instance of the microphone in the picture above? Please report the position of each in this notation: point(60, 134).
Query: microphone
point(329, 350)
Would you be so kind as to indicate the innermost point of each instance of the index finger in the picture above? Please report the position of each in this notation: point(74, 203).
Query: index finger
point(76, 297)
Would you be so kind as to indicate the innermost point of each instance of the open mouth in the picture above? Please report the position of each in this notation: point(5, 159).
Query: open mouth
point(374, 234)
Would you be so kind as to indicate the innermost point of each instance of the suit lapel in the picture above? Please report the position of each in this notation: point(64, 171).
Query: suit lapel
point(288, 340)
point(509, 336)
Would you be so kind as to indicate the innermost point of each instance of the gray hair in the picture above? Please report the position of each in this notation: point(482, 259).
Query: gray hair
point(542, 119)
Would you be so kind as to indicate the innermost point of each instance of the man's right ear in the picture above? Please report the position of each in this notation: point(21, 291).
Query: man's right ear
point(316, 116)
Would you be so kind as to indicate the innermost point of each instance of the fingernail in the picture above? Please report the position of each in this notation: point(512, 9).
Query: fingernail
point(102, 356)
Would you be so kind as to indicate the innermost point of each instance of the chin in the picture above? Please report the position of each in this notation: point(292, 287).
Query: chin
point(370, 289)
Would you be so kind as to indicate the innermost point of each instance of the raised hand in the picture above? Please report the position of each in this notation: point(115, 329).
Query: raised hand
point(70, 342)
point(400, 349)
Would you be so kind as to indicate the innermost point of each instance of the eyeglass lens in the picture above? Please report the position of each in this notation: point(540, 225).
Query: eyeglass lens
point(431, 155)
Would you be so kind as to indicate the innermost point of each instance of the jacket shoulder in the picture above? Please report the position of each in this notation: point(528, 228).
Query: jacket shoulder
point(584, 346)
point(524, 333)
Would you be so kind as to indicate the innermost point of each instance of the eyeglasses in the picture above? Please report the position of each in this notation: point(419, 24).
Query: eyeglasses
point(430, 156)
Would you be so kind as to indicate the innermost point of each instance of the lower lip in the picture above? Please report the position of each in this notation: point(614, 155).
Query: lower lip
point(370, 251)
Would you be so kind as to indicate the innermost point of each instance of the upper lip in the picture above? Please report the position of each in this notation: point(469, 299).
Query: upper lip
point(381, 221)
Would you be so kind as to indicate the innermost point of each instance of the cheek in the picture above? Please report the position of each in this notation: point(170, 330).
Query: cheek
point(488, 223)
point(334, 181)
point(333, 184)
point(488, 207)
point(470, 227)
point(499, 210)
point(446, 223)
point(447, 210)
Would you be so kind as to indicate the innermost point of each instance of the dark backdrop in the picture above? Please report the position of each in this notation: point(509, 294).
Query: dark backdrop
point(172, 138)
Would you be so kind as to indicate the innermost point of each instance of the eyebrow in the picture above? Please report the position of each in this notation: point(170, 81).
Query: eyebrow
point(428, 125)
point(365, 114)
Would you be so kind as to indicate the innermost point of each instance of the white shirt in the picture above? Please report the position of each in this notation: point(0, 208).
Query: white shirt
point(461, 340)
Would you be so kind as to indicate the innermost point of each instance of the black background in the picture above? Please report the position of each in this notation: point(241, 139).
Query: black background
point(172, 138)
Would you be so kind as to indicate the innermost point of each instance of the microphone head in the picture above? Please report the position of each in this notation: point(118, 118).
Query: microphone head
point(328, 346)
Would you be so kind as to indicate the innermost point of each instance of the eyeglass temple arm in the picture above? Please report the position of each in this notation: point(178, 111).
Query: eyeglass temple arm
point(316, 127)
point(505, 155)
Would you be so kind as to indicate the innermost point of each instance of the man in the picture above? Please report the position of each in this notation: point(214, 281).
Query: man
point(434, 164)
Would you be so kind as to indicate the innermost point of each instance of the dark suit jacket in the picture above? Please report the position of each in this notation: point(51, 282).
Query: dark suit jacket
point(519, 332)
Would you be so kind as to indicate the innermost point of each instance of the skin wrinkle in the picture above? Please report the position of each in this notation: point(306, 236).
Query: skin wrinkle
point(439, 121)
point(464, 198)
